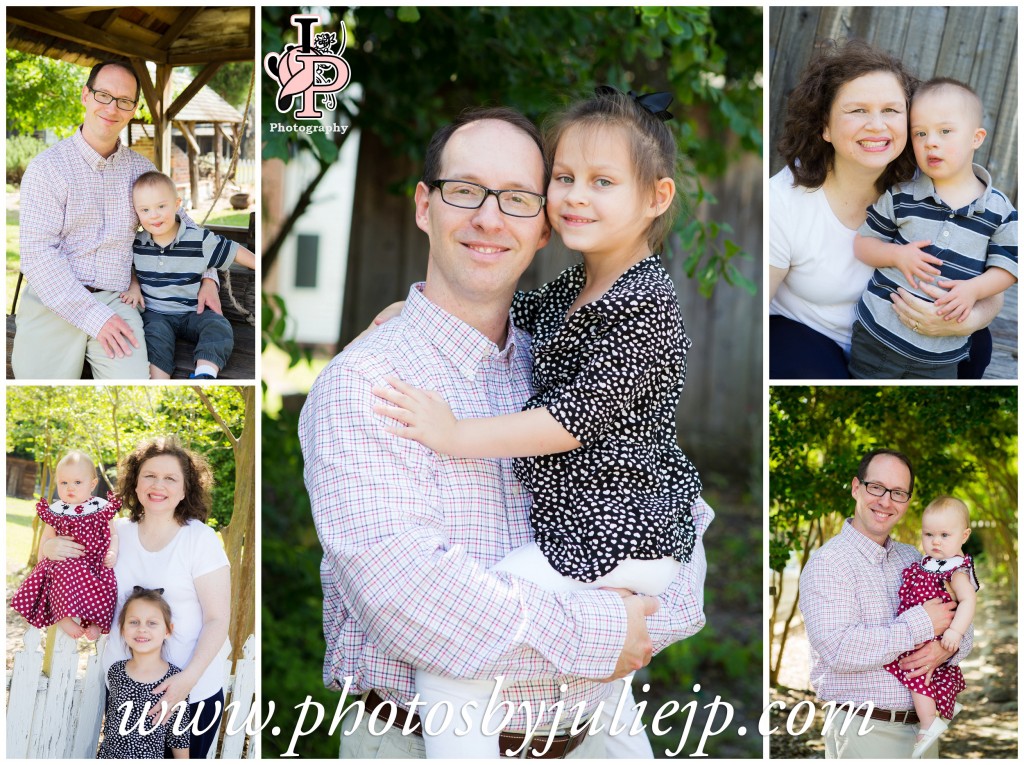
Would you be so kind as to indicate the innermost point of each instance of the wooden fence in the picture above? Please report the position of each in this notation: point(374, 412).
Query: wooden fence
point(59, 717)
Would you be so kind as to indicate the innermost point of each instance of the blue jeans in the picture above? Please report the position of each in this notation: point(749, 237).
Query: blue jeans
point(210, 331)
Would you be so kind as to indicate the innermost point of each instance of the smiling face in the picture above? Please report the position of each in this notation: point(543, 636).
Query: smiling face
point(594, 202)
point(161, 485)
point(75, 482)
point(156, 205)
point(103, 122)
point(477, 256)
point(945, 129)
point(875, 517)
point(867, 124)
point(144, 628)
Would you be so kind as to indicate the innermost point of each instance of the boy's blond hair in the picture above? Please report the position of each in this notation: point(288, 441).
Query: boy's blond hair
point(939, 84)
point(942, 503)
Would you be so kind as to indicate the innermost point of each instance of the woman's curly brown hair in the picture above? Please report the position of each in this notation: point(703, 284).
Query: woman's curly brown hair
point(196, 470)
point(809, 156)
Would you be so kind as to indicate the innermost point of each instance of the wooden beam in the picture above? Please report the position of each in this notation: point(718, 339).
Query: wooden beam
point(185, 17)
point(193, 58)
point(188, 129)
point(148, 89)
point(204, 76)
point(54, 24)
point(102, 19)
point(162, 139)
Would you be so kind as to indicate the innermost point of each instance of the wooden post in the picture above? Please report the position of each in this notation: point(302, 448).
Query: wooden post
point(162, 123)
point(217, 144)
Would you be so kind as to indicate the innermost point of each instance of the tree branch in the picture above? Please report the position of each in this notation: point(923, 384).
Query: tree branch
point(217, 418)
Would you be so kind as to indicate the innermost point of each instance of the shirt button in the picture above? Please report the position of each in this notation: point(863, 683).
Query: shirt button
point(951, 216)
point(945, 233)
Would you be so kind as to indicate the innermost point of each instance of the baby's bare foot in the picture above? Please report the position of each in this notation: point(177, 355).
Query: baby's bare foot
point(93, 632)
point(70, 626)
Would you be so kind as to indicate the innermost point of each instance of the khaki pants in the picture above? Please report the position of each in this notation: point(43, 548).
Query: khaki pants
point(886, 741)
point(48, 348)
point(363, 745)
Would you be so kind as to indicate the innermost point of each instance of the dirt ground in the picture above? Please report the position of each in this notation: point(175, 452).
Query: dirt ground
point(987, 727)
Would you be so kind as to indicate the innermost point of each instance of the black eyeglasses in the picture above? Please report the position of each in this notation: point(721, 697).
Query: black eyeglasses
point(124, 104)
point(877, 490)
point(470, 196)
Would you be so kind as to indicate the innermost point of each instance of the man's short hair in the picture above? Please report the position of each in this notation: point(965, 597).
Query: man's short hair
point(95, 71)
point(937, 84)
point(155, 178)
point(862, 469)
point(432, 160)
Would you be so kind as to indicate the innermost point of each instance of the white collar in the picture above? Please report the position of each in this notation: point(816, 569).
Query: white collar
point(90, 506)
point(934, 564)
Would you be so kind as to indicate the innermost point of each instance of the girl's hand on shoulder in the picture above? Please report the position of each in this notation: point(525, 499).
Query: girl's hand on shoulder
point(425, 416)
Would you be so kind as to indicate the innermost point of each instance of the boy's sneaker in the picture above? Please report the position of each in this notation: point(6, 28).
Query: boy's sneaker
point(202, 376)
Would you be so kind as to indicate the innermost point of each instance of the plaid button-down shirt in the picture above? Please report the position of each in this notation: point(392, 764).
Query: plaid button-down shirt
point(408, 535)
point(849, 594)
point(77, 227)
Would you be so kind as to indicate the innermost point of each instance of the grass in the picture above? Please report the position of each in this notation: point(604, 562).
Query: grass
point(20, 513)
point(228, 218)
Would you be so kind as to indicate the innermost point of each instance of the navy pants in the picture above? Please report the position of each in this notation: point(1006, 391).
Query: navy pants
point(210, 331)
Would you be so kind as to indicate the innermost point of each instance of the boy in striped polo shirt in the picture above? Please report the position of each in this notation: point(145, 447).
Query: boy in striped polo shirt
point(946, 227)
point(170, 256)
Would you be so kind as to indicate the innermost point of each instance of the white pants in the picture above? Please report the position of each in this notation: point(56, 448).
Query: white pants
point(650, 577)
point(886, 741)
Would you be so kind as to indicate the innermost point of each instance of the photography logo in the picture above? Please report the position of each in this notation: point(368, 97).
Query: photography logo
point(308, 69)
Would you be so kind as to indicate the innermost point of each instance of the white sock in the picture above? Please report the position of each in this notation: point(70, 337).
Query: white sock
point(206, 369)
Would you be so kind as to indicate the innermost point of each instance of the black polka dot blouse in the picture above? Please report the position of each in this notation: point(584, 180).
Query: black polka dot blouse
point(134, 745)
point(611, 374)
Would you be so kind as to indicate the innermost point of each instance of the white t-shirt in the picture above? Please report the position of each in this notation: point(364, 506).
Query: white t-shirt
point(195, 550)
point(825, 280)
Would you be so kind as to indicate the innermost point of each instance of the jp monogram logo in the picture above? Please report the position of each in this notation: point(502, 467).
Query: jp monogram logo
point(309, 69)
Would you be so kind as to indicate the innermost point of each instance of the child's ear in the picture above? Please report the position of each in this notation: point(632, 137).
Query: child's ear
point(95, 480)
point(179, 202)
point(170, 628)
point(664, 193)
point(979, 138)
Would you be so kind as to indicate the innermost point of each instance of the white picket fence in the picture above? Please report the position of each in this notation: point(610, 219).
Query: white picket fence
point(60, 716)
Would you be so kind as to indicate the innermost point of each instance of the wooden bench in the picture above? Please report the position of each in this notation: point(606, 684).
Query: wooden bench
point(236, 281)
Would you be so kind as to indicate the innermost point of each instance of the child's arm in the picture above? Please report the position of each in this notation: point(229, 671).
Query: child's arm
point(967, 600)
point(912, 261)
point(179, 754)
point(245, 257)
point(429, 420)
point(133, 295)
point(962, 295)
point(111, 557)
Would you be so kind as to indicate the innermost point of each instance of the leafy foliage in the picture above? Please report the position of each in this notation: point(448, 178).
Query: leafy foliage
point(231, 82)
point(420, 66)
point(21, 149)
point(43, 93)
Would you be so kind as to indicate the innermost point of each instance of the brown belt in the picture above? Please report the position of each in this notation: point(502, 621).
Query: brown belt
point(93, 289)
point(908, 717)
point(560, 745)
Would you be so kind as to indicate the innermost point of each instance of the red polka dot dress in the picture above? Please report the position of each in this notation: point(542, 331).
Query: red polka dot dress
point(82, 586)
point(923, 581)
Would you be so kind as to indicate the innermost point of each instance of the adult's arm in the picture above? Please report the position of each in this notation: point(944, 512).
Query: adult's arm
point(829, 602)
point(776, 276)
point(214, 593)
point(44, 196)
point(419, 597)
point(682, 604)
point(53, 547)
point(922, 317)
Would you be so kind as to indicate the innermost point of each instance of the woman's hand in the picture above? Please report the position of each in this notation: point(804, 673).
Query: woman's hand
point(59, 548)
point(923, 318)
point(174, 689)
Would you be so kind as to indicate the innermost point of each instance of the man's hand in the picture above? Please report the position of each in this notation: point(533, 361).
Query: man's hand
point(117, 338)
point(209, 297)
point(940, 613)
point(924, 660)
point(638, 649)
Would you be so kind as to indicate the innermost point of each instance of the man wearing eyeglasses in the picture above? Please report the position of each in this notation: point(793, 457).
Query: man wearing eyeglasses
point(76, 230)
point(849, 594)
point(409, 535)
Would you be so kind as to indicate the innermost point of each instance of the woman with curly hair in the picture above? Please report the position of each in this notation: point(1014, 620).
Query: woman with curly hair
point(844, 141)
point(166, 544)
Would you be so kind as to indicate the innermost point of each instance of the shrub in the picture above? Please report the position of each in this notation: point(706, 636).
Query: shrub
point(20, 150)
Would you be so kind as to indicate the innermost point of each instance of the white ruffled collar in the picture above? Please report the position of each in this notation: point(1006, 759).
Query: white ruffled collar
point(93, 505)
point(936, 565)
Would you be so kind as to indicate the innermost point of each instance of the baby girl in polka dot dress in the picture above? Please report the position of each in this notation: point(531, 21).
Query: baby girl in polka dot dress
point(76, 594)
point(596, 445)
point(945, 526)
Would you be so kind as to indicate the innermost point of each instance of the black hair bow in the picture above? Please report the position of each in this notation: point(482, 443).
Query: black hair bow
point(137, 589)
point(656, 103)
